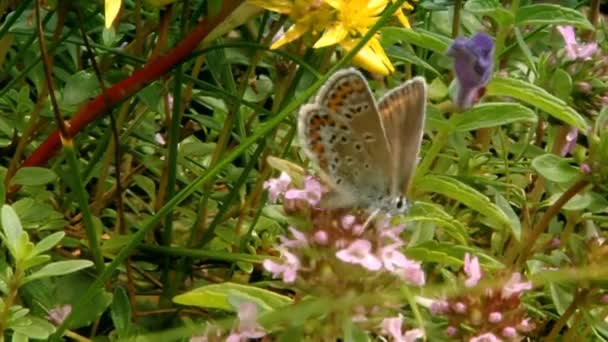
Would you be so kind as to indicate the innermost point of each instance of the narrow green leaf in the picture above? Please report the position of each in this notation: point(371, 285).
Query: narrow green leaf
point(550, 14)
point(418, 37)
point(33, 176)
point(48, 242)
point(491, 115)
point(121, 312)
point(59, 268)
point(216, 296)
point(538, 97)
point(491, 8)
point(453, 188)
point(505, 206)
point(555, 168)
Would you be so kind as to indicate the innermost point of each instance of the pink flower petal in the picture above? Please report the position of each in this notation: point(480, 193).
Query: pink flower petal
point(359, 252)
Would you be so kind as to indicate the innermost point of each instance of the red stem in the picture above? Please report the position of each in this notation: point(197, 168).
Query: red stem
point(128, 87)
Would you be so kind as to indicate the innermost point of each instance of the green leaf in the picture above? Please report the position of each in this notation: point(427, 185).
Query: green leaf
point(48, 242)
point(418, 37)
point(216, 296)
point(491, 8)
point(538, 97)
point(550, 14)
point(59, 268)
point(453, 188)
point(555, 168)
point(121, 312)
point(492, 115)
point(449, 254)
point(13, 230)
point(79, 87)
point(562, 84)
point(515, 225)
point(33, 176)
point(33, 327)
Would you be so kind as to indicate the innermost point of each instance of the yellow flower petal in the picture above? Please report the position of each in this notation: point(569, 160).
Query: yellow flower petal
point(294, 32)
point(333, 35)
point(280, 6)
point(337, 4)
point(368, 59)
point(403, 19)
point(111, 11)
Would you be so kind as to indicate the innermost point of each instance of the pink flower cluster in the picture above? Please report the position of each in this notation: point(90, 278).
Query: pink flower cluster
point(497, 314)
point(375, 248)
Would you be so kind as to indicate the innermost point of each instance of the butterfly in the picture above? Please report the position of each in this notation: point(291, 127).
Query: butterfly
point(366, 151)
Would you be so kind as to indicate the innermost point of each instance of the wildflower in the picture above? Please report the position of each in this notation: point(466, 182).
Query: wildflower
point(247, 328)
point(585, 168)
point(472, 270)
point(574, 50)
point(487, 337)
point(321, 237)
point(451, 331)
point(288, 270)
point(525, 325)
point(392, 327)
point(460, 307)
point(277, 186)
point(473, 64)
point(440, 307)
point(311, 193)
point(348, 221)
point(359, 252)
point(570, 141)
point(509, 332)
point(515, 286)
point(495, 317)
point(298, 241)
point(394, 261)
point(402, 18)
point(59, 314)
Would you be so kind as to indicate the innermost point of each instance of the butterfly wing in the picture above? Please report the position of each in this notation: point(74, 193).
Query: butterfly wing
point(343, 134)
point(403, 111)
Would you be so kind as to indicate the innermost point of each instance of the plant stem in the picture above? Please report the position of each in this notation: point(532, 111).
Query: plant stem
point(542, 225)
point(456, 18)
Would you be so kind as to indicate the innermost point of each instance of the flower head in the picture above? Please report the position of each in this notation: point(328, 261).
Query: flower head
point(59, 314)
point(247, 328)
point(514, 287)
point(288, 270)
point(277, 186)
point(570, 142)
point(311, 193)
point(473, 65)
point(487, 337)
point(574, 50)
point(360, 252)
point(472, 270)
point(392, 327)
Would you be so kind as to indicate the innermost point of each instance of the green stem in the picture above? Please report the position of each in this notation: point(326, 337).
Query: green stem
point(438, 143)
point(83, 203)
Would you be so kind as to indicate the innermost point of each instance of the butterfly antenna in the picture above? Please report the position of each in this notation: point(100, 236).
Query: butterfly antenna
point(370, 218)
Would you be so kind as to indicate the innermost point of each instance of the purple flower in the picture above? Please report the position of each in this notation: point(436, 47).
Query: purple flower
point(247, 328)
point(495, 317)
point(451, 331)
point(473, 65)
point(298, 241)
point(288, 270)
point(460, 307)
point(574, 50)
point(394, 261)
point(321, 237)
point(440, 307)
point(59, 314)
point(585, 168)
point(570, 141)
point(277, 186)
point(472, 270)
point(509, 332)
point(487, 337)
point(515, 286)
point(311, 193)
point(359, 252)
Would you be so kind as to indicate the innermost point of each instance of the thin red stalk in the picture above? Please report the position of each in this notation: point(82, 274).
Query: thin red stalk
point(128, 87)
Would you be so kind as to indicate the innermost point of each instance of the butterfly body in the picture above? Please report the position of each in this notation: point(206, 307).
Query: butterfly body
point(365, 151)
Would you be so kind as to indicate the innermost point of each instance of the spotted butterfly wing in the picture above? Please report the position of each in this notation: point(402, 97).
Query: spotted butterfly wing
point(343, 134)
point(403, 111)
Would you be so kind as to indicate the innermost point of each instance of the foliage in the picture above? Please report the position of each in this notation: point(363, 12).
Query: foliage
point(154, 186)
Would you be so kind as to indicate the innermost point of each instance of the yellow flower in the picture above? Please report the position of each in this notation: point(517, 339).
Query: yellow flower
point(307, 16)
point(342, 22)
point(399, 13)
